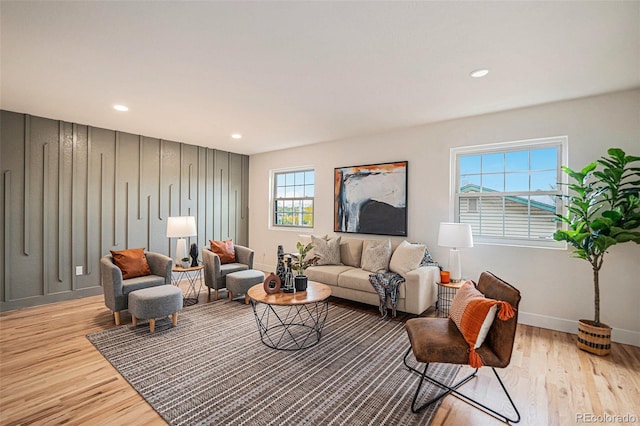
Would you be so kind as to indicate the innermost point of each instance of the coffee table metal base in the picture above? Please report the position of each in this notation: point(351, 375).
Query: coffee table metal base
point(292, 327)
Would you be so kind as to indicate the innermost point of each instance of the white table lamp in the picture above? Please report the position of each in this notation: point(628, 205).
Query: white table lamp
point(180, 227)
point(455, 236)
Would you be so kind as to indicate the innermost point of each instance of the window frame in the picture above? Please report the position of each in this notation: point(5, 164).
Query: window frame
point(273, 198)
point(560, 142)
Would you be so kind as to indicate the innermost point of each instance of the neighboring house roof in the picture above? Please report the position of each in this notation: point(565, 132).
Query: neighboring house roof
point(470, 187)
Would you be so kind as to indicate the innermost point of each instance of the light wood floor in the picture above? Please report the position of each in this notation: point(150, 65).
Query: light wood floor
point(51, 374)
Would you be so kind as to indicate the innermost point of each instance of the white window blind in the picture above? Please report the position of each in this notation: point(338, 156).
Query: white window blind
point(510, 192)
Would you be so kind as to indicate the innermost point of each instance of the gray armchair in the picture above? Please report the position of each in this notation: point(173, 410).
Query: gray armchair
point(215, 272)
point(116, 290)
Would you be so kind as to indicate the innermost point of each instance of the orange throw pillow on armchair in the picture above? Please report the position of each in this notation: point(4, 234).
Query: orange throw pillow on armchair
point(224, 249)
point(132, 262)
point(474, 314)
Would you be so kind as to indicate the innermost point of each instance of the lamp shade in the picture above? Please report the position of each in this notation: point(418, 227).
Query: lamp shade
point(455, 235)
point(181, 226)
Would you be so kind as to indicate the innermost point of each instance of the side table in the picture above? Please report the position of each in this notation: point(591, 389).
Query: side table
point(446, 293)
point(191, 274)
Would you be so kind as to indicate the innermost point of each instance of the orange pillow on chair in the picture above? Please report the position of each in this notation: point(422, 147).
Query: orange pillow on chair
point(473, 314)
point(132, 262)
point(224, 250)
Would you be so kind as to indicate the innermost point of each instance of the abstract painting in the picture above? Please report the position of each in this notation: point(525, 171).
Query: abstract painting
point(371, 199)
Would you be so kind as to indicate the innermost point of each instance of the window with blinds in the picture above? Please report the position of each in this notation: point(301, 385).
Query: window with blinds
point(293, 195)
point(510, 192)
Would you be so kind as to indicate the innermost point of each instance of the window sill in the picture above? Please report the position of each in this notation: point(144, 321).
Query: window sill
point(508, 242)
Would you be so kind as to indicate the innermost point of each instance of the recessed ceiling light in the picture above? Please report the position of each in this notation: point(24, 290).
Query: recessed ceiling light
point(236, 136)
point(479, 73)
point(120, 108)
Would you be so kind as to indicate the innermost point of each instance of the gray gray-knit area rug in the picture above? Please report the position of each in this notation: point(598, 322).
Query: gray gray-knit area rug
point(212, 369)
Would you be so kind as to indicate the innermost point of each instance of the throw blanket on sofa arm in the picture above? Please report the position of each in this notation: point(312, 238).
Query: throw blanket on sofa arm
point(386, 285)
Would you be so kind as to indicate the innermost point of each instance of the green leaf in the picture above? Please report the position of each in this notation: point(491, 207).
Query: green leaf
point(608, 163)
point(612, 215)
point(577, 188)
point(601, 224)
point(603, 242)
point(617, 153)
point(589, 168)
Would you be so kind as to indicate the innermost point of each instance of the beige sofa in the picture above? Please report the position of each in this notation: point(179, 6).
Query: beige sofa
point(349, 281)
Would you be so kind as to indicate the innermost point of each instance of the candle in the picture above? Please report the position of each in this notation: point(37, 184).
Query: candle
point(444, 277)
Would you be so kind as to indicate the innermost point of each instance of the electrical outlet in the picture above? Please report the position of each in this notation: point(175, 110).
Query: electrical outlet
point(78, 270)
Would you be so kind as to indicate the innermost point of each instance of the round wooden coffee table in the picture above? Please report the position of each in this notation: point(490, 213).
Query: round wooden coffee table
point(290, 321)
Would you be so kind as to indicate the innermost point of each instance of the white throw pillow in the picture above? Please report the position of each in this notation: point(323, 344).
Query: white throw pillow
point(376, 255)
point(327, 251)
point(406, 257)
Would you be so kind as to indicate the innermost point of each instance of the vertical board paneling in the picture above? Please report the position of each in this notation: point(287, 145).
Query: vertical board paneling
point(45, 218)
point(150, 188)
point(101, 207)
point(71, 193)
point(116, 156)
point(87, 208)
point(140, 173)
point(235, 189)
point(60, 194)
point(201, 196)
point(160, 180)
point(221, 197)
point(74, 210)
point(7, 235)
point(26, 225)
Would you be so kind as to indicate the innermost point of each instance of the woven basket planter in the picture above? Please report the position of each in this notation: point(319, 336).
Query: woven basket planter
point(596, 340)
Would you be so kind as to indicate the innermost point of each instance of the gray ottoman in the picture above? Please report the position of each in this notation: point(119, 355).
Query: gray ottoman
point(240, 282)
point(155, 302)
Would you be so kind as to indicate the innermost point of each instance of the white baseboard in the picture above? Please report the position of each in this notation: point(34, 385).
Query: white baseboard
point(264, 267)
point(619, 335)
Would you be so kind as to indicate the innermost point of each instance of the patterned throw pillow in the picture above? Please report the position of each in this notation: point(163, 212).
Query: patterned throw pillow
point(376, 255)
point(328, 251)
point(224, 249)
point(474, 314)
point(306, 239)
point(132, 262)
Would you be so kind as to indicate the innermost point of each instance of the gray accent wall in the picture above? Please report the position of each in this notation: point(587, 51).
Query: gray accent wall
point(71, 193)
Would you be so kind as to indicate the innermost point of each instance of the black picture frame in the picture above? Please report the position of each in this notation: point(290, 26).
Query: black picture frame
point(371, 199)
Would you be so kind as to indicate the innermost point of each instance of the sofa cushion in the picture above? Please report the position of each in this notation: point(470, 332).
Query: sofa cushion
point(229, 268)
point(358, 279)
point(328, 251)
point(406, 257)
point(139, 283)
point(376, 255)
point(132, 262)
point(326, 274)
point(351, 252)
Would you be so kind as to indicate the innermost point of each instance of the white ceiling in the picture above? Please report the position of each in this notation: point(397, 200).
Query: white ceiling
point(292, 73)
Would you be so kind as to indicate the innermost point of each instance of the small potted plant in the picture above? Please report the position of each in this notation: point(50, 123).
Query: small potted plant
point(300, 264)
point(602, 211)
point(185, 262)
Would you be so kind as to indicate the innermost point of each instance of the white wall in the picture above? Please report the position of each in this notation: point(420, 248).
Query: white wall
point(556, 289)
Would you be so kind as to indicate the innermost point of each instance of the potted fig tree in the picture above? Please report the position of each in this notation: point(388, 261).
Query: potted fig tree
point(300, 263)
point(603, 210)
